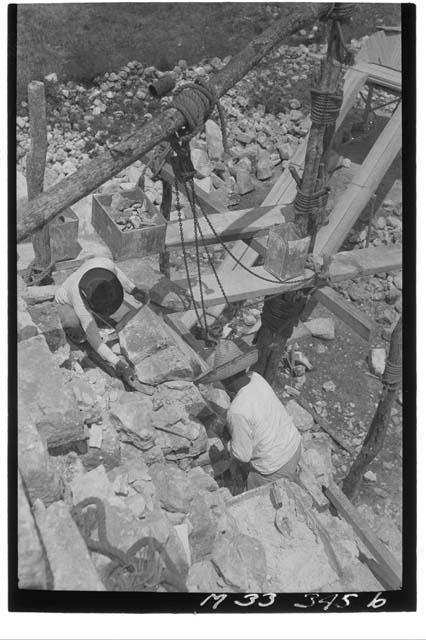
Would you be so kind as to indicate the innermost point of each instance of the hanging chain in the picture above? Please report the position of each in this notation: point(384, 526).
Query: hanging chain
point(185, 257)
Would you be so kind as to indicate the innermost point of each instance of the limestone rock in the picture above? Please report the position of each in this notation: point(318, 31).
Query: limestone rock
point(201, 162)
point(263, 168)
point(132, 415)
point(329, 386)
point(94, 483)
point(46, 317)
point(317, 456)
point(370, 476)
point(377, 360)
point(185, 392)
point(41, 390)
point(201, 480)
point(241, 561)
point(40, 478)
point(26, 327)
point(217, 398)
point(68, 555)
point(32, 567)
point(244, 181)
point(203, 578)
point(109, 453)
point(302, 419)
point(322, 328)
point(214, 140)
point(204, 528)
point(150, 348)
point(173, 487)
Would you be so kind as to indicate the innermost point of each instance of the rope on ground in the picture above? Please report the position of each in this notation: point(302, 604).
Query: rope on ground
point(127, 571)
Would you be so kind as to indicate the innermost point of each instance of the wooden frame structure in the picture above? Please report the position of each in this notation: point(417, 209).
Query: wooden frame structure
point(240, 285)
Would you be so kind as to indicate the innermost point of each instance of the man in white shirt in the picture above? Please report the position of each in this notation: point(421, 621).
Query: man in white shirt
point(95, 290)
point(262, 432)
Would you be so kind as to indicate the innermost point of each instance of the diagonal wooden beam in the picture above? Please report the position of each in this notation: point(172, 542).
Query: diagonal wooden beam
point(345, 265)
point(364, 183)
point(232, 225)
point(35, 214)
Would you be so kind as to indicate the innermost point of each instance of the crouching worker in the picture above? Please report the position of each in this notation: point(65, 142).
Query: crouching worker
point(262, 432)
point(95, 290)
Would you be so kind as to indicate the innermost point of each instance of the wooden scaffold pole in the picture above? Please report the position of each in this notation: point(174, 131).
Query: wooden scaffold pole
point(376, 434)
point(281, 314)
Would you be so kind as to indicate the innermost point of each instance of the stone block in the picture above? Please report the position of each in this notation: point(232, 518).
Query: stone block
point(94, 483)
point(322, 328)
point(45, 316)
point(32, 565)
point(201, 481)
point(39, 475)
point(203, 578)
point(241, 561)
point(132, 415)
point(217, 399)
point(184, 392)
point(25, 325)
point(214, 140)
point(302, 419)
point(149, 346)
point(68, 555)
point(204, 528)
point(41, 388)
point(109, 453)
point(173, 487)
point(377, 360)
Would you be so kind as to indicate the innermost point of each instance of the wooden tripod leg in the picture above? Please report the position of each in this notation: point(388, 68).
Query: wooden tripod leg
point(36, 163)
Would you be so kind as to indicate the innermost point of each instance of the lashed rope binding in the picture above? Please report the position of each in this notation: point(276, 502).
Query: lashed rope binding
point(196, 102)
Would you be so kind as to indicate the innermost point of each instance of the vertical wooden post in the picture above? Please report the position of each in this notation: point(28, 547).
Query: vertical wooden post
point(36, 164)
point(376, 434)
point(271, 343)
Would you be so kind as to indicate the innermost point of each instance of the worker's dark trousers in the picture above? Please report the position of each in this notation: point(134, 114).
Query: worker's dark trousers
point(288, 470)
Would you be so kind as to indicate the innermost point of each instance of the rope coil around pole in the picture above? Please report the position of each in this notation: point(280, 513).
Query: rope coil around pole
point(305, 203)
point(196, 101)
point(341, 11)
point(325, 107)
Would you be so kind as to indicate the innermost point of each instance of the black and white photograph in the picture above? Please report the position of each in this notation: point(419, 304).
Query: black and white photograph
point(207, 316)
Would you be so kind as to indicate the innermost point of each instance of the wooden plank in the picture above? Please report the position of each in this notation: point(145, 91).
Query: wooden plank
point(350, 206)
point(382, 76)
point(284, 190)
point(389, 566)
point(232, 225)
point(240, 285)
point(356, 319)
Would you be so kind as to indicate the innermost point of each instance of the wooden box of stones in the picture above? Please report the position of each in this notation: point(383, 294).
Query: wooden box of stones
point(129, 224)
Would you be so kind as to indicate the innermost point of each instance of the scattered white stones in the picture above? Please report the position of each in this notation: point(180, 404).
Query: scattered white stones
point(329, 386)
point(370, 476)
point(377, 360)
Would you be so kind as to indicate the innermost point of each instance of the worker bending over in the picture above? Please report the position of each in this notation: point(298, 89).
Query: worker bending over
point(95, 290)
point(262, 432)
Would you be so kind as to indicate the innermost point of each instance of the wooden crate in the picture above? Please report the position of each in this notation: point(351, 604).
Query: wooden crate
point(128, 244)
